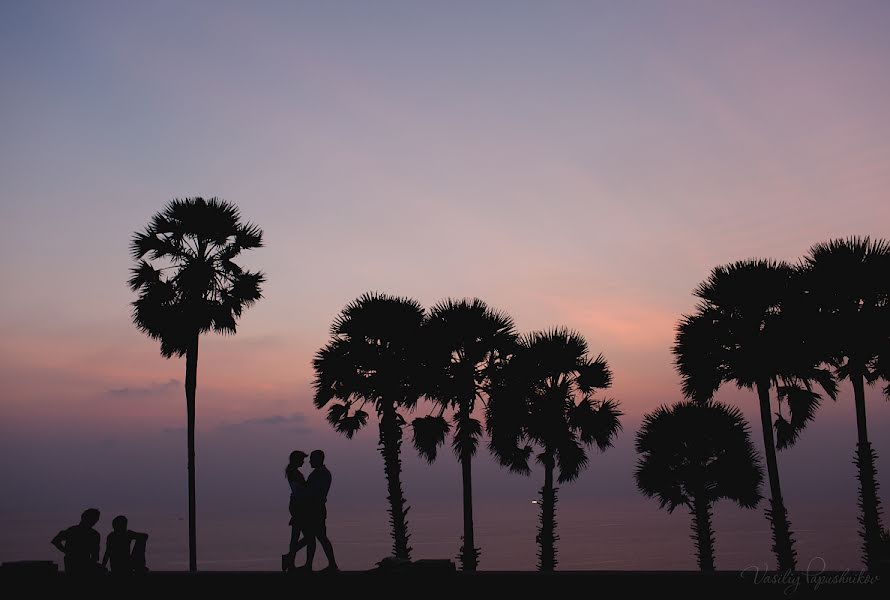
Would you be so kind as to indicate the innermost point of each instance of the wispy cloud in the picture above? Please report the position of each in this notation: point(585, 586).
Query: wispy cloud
point(296, 423)
point(153, 389)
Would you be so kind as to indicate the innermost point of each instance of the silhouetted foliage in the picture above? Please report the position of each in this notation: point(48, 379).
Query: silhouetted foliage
point(374, 358)
point(693, 454)
point(751, 329)
point(465, 344)
point(544, 398)
point(189, 284)
point(848, 286)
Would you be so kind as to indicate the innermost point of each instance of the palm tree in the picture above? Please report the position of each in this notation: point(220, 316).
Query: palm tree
point(848, 282)
point(373, 358)
point(692, 455)
point(466, 343)
point(544, 398)
point(190, 287)
point(749, 329)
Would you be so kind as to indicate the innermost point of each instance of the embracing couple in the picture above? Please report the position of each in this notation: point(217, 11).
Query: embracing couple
point(308, 510)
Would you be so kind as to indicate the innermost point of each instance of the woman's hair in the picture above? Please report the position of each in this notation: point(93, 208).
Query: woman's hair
point(293, 463)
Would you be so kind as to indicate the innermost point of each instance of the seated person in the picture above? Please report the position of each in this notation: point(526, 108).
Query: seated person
point(117, 548)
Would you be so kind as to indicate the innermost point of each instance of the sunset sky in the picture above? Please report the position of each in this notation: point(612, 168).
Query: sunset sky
point(573, 163)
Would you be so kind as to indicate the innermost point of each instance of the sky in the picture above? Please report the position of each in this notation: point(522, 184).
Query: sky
point(574, 163)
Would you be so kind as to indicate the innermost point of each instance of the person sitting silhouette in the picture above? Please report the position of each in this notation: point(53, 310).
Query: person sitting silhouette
point(296, 507)
point(117, 548)
point(318, 485)
point(80, 544)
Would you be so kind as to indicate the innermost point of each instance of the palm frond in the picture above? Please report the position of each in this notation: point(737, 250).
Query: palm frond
point(594, 375)
point(802, 405)
point(597, 422)
point(429, 434)
point(699, 355)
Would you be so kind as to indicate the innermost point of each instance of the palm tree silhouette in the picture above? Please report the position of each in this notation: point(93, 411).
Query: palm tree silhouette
point(748, 329)
point(466, 343)
point(545, 398)
point(193, 287)
point(373, 357)
point(847, 280)
point(693, 454)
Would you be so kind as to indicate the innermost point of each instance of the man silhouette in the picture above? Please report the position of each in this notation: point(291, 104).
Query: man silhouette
point(80, 544)
point(317, 486)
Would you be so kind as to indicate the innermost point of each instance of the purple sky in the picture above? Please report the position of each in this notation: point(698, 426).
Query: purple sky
point(578, 164)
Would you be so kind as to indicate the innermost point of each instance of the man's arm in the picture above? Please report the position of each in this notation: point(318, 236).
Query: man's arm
point(314, 487)
point(62, 536)
point(320, 484)
point(94, 551)
point(107, 551)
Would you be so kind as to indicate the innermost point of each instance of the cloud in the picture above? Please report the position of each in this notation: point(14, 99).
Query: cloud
point(295, 423)
point(153, 389)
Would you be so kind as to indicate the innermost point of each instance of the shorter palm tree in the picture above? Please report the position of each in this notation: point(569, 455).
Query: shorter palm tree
point(372, 361)
point(544, 398)
point(846, 280)
point(465, 344)
point(692, 455)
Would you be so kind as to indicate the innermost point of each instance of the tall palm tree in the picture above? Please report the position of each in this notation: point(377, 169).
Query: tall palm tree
point(188, 284)
point(466, 343)
point(544, 398)
point(849, 282)
point(748, 329)
point(692, 455)
point(373, 358)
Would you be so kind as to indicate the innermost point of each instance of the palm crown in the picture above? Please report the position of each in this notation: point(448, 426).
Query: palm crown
point(372, 357)
point(751, 328)
point(692, 449)
point(847, 280)
point(466, 344)
point(547, 400)
point(194, 285)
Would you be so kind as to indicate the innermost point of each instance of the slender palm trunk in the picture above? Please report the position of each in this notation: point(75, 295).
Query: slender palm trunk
point(469, 553)
point(191, 384)
point(702, 532)
point(390, 449)
point(783, 543)
point(869, 503)
point(547, 531)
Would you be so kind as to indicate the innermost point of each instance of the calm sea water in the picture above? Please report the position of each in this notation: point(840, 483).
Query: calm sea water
point(624, 535)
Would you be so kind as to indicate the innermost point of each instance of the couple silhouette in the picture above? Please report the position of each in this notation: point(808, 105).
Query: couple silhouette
point(80, 545)
point(308, 511)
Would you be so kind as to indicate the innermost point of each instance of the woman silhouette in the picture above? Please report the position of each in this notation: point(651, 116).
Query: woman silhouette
point(297, 507)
